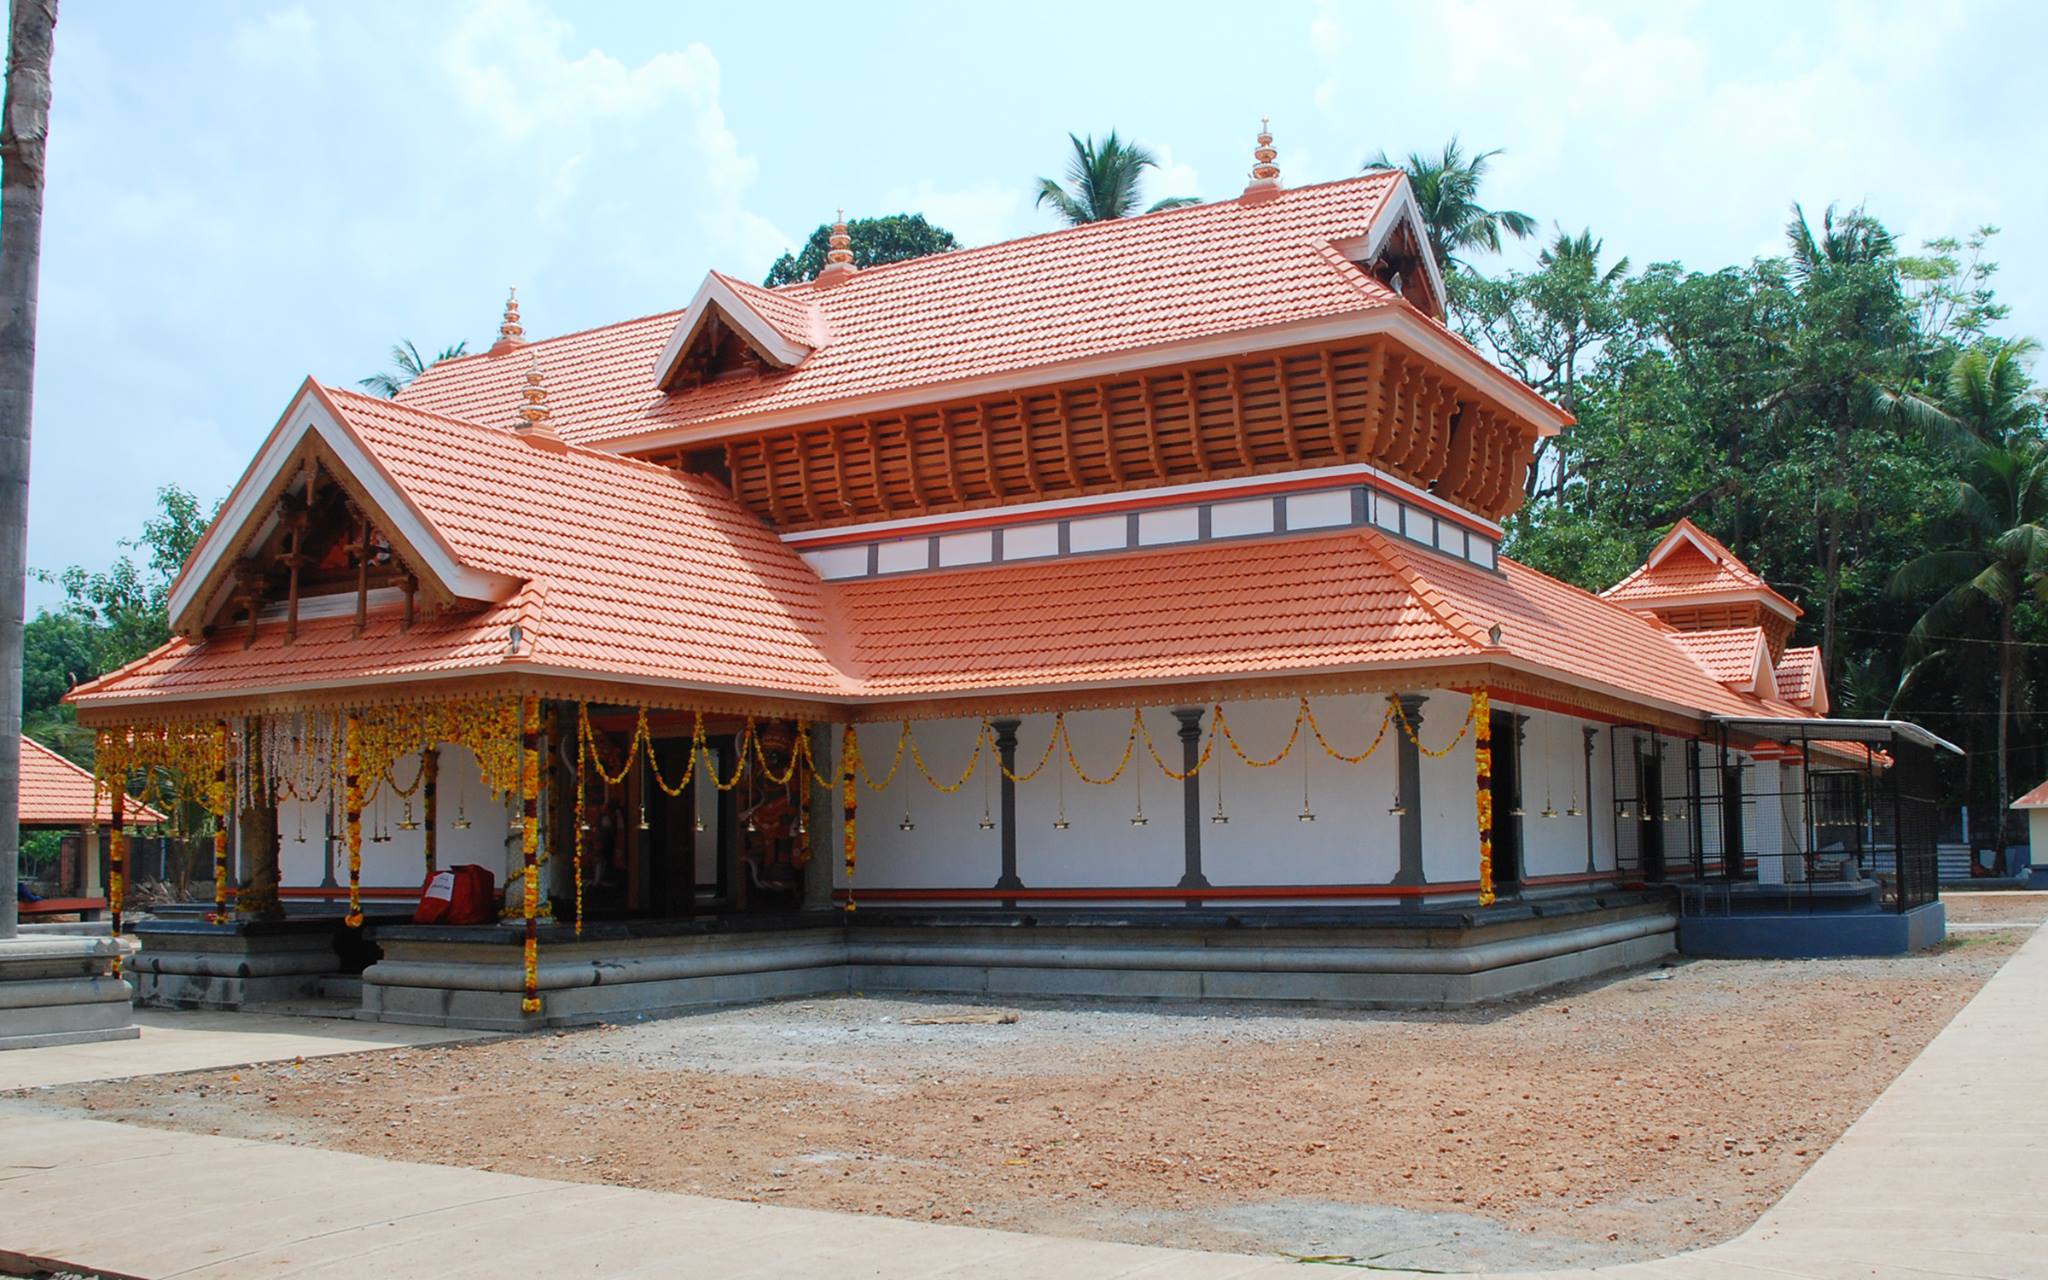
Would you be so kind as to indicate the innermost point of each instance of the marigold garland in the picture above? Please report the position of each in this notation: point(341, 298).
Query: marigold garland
point(851, 771)
point(529, 847)
point(1481, 718)
point(353, 816)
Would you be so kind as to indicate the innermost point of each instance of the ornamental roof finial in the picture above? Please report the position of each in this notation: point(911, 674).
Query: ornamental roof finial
point(838, 258)
point(535, 422)
point(510, 332)
point(1265, 173)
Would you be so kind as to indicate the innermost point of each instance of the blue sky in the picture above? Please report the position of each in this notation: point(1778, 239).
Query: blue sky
point(243, 195)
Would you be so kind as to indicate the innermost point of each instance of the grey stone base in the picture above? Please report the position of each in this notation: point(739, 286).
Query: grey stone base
point(194, 965)
point(474, 978)
point(61, 990)
point(1790, 935)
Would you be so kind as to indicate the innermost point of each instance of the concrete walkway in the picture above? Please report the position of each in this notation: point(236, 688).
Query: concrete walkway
point(1946, 1175)
point(201, 1041)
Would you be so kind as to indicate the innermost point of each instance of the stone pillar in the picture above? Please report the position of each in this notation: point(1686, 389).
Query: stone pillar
point(1590, 734)
point(91, 884)
point(1006, 752)
point(260, 835)
point(1191, 796)
point(1409, 763)
point(824, 831)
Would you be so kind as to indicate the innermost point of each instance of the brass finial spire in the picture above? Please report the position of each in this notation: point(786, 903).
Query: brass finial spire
point(510, 332)
point(535, 422)
point(839, 258)
point(1265, 173)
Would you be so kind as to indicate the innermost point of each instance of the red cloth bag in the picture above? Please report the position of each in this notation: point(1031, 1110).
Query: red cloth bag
point(460, 895)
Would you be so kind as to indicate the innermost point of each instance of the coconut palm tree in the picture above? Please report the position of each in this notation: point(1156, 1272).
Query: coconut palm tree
point(407, 364)
point(1447, 191)
point(2000, 503)
point(24, 139)
point(1102, 182)
point(1581, 254)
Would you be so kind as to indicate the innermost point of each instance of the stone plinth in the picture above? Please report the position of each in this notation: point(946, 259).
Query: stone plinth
point(192, 964)
point(61, 990)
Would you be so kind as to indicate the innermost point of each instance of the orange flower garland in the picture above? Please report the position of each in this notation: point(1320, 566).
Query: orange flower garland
point(1481, 721)
point(850, 769)
point(529, 844)
point(353, 817)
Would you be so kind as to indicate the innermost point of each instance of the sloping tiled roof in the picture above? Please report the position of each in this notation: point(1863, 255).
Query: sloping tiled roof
point(1729, 654)
point(1295, 604)
point(57, 793)
point(1689, 561)
point(2035, 799)
point(1799, 675)
point(1575, 634)
point(631, 570)
point(1096, 290)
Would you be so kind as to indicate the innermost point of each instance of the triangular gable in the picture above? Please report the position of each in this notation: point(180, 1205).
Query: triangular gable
point(781, 331)
point(1399, 224)
point(313, 429)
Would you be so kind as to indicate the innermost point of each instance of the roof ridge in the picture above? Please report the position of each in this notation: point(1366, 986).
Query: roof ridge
point(1424, 590)
point(570, 446)
point(526, 348)
point(1103, 226)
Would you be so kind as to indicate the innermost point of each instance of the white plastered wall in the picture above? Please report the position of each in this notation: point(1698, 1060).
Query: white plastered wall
point(401, 861)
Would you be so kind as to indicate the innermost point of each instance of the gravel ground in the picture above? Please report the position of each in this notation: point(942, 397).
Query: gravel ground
point(1621, 1118)
point(2006, 906)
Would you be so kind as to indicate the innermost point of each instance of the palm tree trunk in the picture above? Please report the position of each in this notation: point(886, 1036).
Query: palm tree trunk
point(2006, 648)
point(24, 128)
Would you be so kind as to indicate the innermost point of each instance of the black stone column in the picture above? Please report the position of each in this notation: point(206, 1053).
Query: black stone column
point(1191, 797)
point(1591, 860)
point(1006, 751)
point(1410, 765)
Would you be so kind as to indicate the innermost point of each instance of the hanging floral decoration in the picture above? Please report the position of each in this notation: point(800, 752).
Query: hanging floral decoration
point(352, 814)
point(851, 770)
point(529, 847)
point(1481, 720)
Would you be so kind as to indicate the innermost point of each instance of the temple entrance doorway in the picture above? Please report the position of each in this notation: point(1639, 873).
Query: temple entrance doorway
point(1506, 787)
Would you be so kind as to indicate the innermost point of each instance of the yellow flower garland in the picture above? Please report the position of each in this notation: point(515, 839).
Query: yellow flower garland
point(529, 846)
point(352, 816)
point(852, 770)
point(1481, 719)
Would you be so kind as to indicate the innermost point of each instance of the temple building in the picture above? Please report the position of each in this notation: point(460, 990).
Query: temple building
point(1119, 610)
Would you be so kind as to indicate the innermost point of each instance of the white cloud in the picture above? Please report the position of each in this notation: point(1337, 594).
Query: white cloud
point(1175, 177)
point(981, 214)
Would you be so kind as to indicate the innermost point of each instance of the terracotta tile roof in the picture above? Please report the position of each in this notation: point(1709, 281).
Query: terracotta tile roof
point(1089, 291)
point(1689, 561)
point(1576, 634)
point(57, 793)
point(2035, 799)
point(1799, 675)
point(793, 313)
point(631, 570)
point(1729, 654)
point(1291, 604)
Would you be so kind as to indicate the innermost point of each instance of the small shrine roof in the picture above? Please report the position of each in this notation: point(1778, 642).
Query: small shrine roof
point(57, 793)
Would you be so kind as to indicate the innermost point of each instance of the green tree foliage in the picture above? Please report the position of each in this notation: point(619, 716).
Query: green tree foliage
point(109, 617)
point(1447, 190)
point(1837, 415)
point(1102, 182)
point(898, 237)
point(406, 364)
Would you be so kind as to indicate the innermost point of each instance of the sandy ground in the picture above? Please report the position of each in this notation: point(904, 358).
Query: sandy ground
point(1996, 907)
point(1621, 1118)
